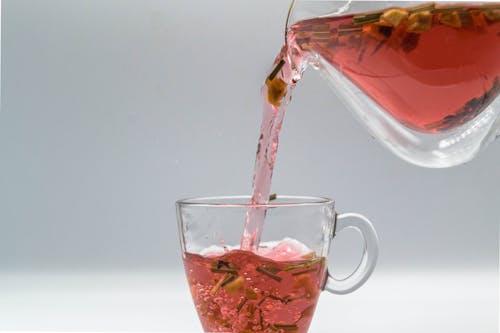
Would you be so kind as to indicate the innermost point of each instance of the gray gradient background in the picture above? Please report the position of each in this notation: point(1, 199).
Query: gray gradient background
point(112, 110)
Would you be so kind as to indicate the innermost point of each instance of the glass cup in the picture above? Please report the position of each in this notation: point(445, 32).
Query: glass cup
point(276, 288)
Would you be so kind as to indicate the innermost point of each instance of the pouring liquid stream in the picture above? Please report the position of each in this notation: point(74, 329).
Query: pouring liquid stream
point(274, 95)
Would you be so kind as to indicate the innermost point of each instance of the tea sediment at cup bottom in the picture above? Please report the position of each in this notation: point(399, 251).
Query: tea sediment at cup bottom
point(273, 290)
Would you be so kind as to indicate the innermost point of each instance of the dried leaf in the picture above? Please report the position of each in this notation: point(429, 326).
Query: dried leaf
point(394, 16)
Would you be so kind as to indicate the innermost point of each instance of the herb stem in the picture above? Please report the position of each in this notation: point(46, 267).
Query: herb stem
point(261, 320)
point(268, 273)
point(366, 18)
point(304, 265)
point(286, 327)
point(276, 298)
point(228, 280)
point(448, 9)
point(423, 8)
point(242, 303)
point(345, 28)
point(219, 283)
point(304, 272)
point(276, 69)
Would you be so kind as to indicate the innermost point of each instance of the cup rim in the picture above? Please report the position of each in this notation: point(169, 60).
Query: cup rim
point(243, 201)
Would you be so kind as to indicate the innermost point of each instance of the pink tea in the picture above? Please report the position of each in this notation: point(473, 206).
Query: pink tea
point(240, 291)
point(433, 71)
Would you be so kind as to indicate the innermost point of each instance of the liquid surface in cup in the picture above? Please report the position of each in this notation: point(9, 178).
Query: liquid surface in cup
point(431, 67)
point(241, 291)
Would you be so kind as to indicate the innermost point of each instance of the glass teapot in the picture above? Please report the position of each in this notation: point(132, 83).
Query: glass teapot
point(423, 77)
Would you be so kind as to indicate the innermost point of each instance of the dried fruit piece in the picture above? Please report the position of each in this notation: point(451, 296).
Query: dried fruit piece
point(276, 90)
point(304, 281)
point(478, 20)
point(465, 18)
point(451, 19)
point(235, 285)
point(250, 310)
point(420, 21)
point(379, 32)
point(492, 14)
point(393, 17)
point(305, 47)
point(251, 294)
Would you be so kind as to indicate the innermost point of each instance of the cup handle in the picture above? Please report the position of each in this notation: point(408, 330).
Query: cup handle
point(370, 254)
